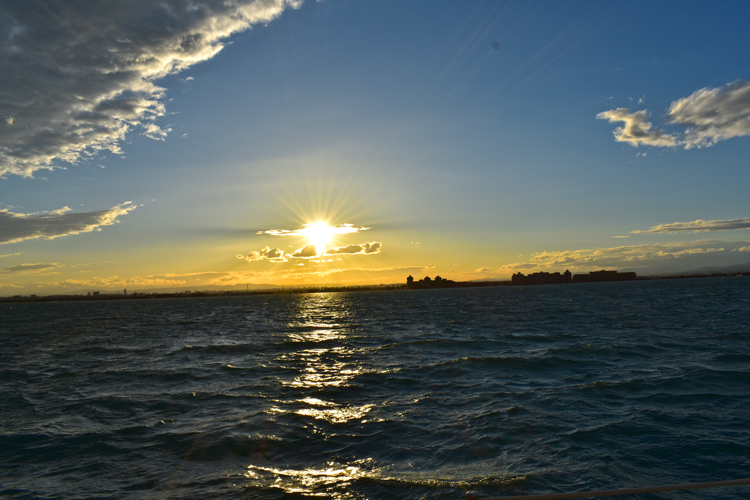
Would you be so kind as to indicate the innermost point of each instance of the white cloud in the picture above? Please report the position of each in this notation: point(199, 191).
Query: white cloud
point(699, 225)
point(56, 223)
point(710, 115)
point(76, 77)
point(637, 129)
point(311, 227)
point(362, 249)
point(713, 114)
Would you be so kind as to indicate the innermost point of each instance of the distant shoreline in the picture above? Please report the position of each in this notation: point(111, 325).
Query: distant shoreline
point(300, 290)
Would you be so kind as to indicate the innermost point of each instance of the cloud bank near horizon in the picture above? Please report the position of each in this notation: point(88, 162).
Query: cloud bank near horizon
point(710, 115)
point(15, 227)
point(630, 257)
point(77, 77)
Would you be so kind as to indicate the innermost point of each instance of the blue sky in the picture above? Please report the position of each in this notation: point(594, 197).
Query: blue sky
point(472, 139)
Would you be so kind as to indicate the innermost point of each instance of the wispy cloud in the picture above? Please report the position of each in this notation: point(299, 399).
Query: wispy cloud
point(11, 254)
point(625, 255)
point(699, 225)
point(31, 268)
point(79, 75)
point(710, 115)
point(15, 227)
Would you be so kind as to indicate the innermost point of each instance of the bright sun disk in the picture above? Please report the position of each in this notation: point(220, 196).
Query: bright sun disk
point(319, 233)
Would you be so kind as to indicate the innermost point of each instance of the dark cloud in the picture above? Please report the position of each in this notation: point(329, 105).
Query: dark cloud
point(306, 252)
point(363, 249)
point(19, 227)
point(272, 254)
point(77, 76)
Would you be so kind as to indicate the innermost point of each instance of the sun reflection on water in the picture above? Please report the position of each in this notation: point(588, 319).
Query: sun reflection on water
point(330, 482)
point(319, 362)
point(330, 362)
point(328, 411)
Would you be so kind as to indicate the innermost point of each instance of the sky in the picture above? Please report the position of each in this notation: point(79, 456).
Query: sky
point(187, 144)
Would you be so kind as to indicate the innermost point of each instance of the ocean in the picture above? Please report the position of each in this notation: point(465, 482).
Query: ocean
point(379, 395)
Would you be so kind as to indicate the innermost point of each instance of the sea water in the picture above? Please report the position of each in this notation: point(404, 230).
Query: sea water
point(378, 395)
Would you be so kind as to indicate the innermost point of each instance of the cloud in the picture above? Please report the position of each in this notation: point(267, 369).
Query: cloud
point(10, 254)
point(316, 232)
point(306, 252)
point(77, 76)
point(637, 129)
point(698, 226)
point(628, 256)
point(311, 227)
point(272, 254)
point(363, 249)
point(30, 268)
point(56, 223)
point(653, 257)
point(710, 115)
point(713, 114)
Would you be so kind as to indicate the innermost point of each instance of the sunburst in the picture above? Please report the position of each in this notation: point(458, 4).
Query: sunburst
point(319, 233)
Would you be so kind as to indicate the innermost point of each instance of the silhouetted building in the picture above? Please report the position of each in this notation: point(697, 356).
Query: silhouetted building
point(427, 282)
point(557, 278)
point(541, 278)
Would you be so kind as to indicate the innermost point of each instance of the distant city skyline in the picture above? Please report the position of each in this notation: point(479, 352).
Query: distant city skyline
point(235, 143)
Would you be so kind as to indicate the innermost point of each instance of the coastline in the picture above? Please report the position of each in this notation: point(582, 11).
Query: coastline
point(314, 289)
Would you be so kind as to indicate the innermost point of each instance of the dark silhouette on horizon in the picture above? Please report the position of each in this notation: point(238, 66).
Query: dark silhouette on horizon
point(566, 277)
point(438, 282)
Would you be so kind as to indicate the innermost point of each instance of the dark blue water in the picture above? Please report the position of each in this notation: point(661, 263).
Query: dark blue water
point(404, 394)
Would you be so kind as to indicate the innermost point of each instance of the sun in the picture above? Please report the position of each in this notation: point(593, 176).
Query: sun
point(319, 234)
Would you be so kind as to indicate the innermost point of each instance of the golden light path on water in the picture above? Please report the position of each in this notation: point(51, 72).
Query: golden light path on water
point(326, 362)
point(322, 319)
